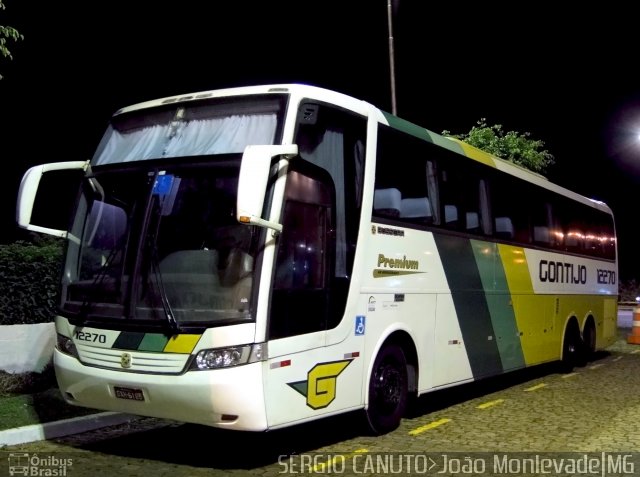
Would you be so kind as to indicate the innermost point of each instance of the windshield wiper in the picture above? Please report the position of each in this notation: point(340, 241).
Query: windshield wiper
point(168, 311)
point(155, 214)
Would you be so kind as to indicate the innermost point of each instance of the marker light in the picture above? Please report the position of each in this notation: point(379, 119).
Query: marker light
point(65, 345)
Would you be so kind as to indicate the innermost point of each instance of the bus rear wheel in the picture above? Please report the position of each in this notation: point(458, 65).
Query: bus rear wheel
point(572, 349)
point(589, 339)
point(387, 390)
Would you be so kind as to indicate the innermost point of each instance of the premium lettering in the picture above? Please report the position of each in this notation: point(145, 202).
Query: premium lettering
point(401, 263)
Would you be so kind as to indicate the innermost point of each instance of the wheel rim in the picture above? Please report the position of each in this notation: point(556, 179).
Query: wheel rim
point(388, 386)
point(572, 349)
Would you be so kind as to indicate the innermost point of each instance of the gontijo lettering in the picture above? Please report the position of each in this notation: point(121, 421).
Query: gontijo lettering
point(562, 272)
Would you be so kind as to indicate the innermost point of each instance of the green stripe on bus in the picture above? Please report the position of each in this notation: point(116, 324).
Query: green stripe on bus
point(407, 127)
point(156, 342)
point(469, 299)
point(128, 340)
point(499, 302)
point(153, 342)
point(450, 143)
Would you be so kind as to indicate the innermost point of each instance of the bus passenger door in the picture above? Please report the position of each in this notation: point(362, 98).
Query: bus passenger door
point(303, 376)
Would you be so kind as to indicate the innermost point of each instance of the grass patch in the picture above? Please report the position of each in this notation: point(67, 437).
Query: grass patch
point(38, 408)
point(27, 383)
point(33, 398)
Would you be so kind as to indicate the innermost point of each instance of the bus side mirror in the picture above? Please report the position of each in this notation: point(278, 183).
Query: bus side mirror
point(31, 185)
point(254, 176)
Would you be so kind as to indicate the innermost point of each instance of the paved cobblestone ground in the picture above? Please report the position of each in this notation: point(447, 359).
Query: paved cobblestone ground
point(594, 409)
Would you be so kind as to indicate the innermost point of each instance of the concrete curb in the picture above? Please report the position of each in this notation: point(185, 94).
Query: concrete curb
point(65, 427)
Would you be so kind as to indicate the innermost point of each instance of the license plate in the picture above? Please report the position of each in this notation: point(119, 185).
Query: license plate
point(129, 393)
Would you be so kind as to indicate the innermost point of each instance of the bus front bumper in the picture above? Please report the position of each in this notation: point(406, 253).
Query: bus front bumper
point(231, 398)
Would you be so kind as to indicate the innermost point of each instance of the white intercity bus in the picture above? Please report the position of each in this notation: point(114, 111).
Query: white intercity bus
point(257, 257)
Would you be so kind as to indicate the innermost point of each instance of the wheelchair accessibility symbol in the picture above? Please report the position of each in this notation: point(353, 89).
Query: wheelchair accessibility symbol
point(360, 325)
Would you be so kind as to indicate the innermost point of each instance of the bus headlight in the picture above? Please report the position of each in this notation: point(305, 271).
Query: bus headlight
point(66, 346)
point(231, 356)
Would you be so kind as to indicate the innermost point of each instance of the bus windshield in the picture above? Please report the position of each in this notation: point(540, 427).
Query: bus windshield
point(155, 238)
point(161, 244)
point(215, 126)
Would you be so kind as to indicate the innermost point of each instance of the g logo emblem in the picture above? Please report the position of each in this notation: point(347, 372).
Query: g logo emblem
point(125, 360)
point(321, 383)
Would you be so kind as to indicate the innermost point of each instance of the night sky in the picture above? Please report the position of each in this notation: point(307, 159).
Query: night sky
point(567, 77)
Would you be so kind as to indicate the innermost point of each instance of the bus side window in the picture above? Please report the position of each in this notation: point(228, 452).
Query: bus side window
point(450, 198)
point(504, 228)
point(472, 221)
point(416, 209)
point(387, 202)
point(450, 215)
point(541, 235)
point(404, 192)
point(464, 196)
point(510, 207)
point(544, 225)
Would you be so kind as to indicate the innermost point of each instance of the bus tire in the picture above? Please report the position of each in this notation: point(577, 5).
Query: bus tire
point(572, 349)
point(388, 390)
point(589, 339)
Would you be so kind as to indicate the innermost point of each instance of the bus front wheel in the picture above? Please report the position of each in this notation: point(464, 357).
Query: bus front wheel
point(387, 390)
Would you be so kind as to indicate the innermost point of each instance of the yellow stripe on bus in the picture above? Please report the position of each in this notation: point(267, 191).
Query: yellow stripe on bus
point(181, 344)
point(516, 269)
point(475, 153)
point(534, 313)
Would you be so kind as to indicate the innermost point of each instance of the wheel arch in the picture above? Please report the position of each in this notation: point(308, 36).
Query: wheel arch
point(571, 325)
point(572, 353)
point(589, 320)
point(402, 338)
